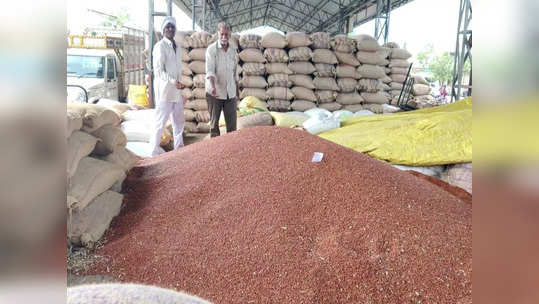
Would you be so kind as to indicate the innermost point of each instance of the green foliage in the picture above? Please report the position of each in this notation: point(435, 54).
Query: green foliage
point(441, 68)
point(116, 21)
point(425, 57)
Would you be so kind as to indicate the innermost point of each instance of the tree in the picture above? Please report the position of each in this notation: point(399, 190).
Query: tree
point(116, 21)
point(441, 68)
point(425, 56)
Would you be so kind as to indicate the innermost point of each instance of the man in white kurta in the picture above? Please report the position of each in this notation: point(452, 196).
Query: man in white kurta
point(169, 102)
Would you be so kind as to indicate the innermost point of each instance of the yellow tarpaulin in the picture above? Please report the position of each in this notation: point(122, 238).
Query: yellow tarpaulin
point(432, 136)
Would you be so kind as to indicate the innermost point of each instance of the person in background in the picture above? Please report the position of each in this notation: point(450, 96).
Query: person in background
point(221, 81)
point(443, 92)
point(168, 98)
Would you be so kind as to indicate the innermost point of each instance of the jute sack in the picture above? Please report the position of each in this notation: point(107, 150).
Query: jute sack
point(273, 40)
point(301, 67)
point(110, 139)
point(183, 38)
point(94, 116)
point(197, 105)
point(185, 56)
point(253, 82)
point(252, 55)
point(324, 70)
point(256, 119)
point(325, 96)
point(278, 105)
point(378, 98)
point(420, 89)
point(399, 71)
point(386, 79)
point(347, 85)
point(371, 71)
point(279, 80)
point(297, 39)
point(202, 116)
point(384, 52)
point(301, 53)
point(93, 177)
point(302, 105)
point(395, 93)
point(200, 39)
point(349, 98)
point(332, 106)
point(400, 54)
point(114, 105)
point(341, 43)
point(250, 41)
point(87, 226)
point(74, 122)
point(304, 93)
point(277, 68)
point(203, 127)
point(398, 63)
point(190, 127)
point(187, 93)
point(199, 93)
point(366, 43)
point(396, 86)
point(123, 158)
point(384, 86)
point(198, 54)
point(254, 69)
point(420, 79)
point(302, 81)
point(186, 70)
point(369, 85)
point(347, 58)
point(347, 71)
point(400, 78)
point(376, 58)
point(324, 56)
point(325, 83)
point(187, 81)
point(321, 40)
point(281, 93)
point(79, 145)
point(198, 67)
point(188, 114)
point(353, 107)
point(258, 93)
point(392, 45)
point(374, 107)
point(199, 81)
point(275, 55)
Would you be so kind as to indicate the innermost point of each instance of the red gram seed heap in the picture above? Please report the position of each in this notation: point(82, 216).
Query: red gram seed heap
point(248, 218)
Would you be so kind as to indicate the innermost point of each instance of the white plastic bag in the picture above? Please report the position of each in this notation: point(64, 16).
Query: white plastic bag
point(316, 111)
point(342, 115)
point(321, 123)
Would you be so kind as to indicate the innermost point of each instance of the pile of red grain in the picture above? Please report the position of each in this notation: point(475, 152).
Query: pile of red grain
point(248, 218)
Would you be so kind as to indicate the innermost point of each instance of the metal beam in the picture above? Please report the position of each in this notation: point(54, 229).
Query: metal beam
point(303, 21)
point(381, 26)
point(349, 10)
point(463, 50)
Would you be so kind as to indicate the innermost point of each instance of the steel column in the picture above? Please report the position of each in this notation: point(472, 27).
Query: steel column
point(463, 50)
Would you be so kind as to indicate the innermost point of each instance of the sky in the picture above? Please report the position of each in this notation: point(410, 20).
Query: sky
point(414, 25)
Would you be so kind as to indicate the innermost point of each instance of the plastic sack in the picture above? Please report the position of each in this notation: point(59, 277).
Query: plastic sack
point(342, 115)
point(252, 102)
point(321, 123)
point(137, 95)
point(363, 112)
point(289, 119)
point(315, 112)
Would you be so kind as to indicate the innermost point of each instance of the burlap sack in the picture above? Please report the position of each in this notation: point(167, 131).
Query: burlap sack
point(87, 226)
point(198, 67)
point(253, 82)
point(123, 158)
point(183, 38)
point(114, 105)
point(278, 68)
point(386, 79)
point(203, 127)
point(110, 138)
point(366, 43)
point(302, 81)
point(399, 71)
point(199, 93)
point(369, 85)
point(252, 55)
point(302, 105)
point(325, 83)
point(279, 80)
point(258, 93)
point(376, 58)
point(187, 81)
point(185, 56)
point(400, 78)
point(324, 70)
point(353, 107)
point(347, 71)
point(400, 54)
point(374, 107)
point(460, 175)
point(74, 122)
point(190, 127)
point(234, 40)
point(341, 43)
point(392, 45)
point(304, 93)
point(396, 86)
point(200, 39)
point(188, 114)
point(384, 86)
point(347, 58)
point(332, 106)
point(79, 145)
point(301, 67)
point(347, 85)
point(297, 39)
point(250, 41)
point(281, 93)
point(197, 105)
point(371, 71)
point(378, 98)
point(186, 70)
point(321, 40)
point(94, 116)
point(349, 98)
point(301, 53)
point(254, 69)
point(275, 55)
point(278, 105)
point(325, 96)
point(324, 56)
point(395, 93)
point(199, 81)
point(256, 119)
point(398, 63)
point(202, 116)
point(420, 89)
point(92, 177)
point(273, 40)
point(420, 79)
point(198, 54)
point(187, 93)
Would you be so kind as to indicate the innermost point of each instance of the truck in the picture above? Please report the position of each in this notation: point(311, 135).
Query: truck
point(105, 63)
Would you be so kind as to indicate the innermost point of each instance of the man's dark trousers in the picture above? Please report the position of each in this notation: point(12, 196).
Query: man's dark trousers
point(228, 106)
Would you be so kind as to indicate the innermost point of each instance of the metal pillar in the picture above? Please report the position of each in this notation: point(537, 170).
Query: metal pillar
point(151, 38)
point(381, 26)
point(204, 14)
point(463, 50)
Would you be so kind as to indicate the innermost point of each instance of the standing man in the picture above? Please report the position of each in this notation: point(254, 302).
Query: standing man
point(168, 99)
point(221, 81)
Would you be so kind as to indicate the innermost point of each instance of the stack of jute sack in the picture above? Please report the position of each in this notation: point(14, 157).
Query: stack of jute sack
point(421, 92)
point(347, 74)
point(253, 81)
point(97, 163)
point(324, 59)
point(184, 40)
point(278, 93)
point(300, 69)
point(398, 68)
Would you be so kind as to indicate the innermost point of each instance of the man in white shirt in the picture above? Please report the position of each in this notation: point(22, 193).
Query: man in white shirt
point(167, 66)
point(221, 81)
